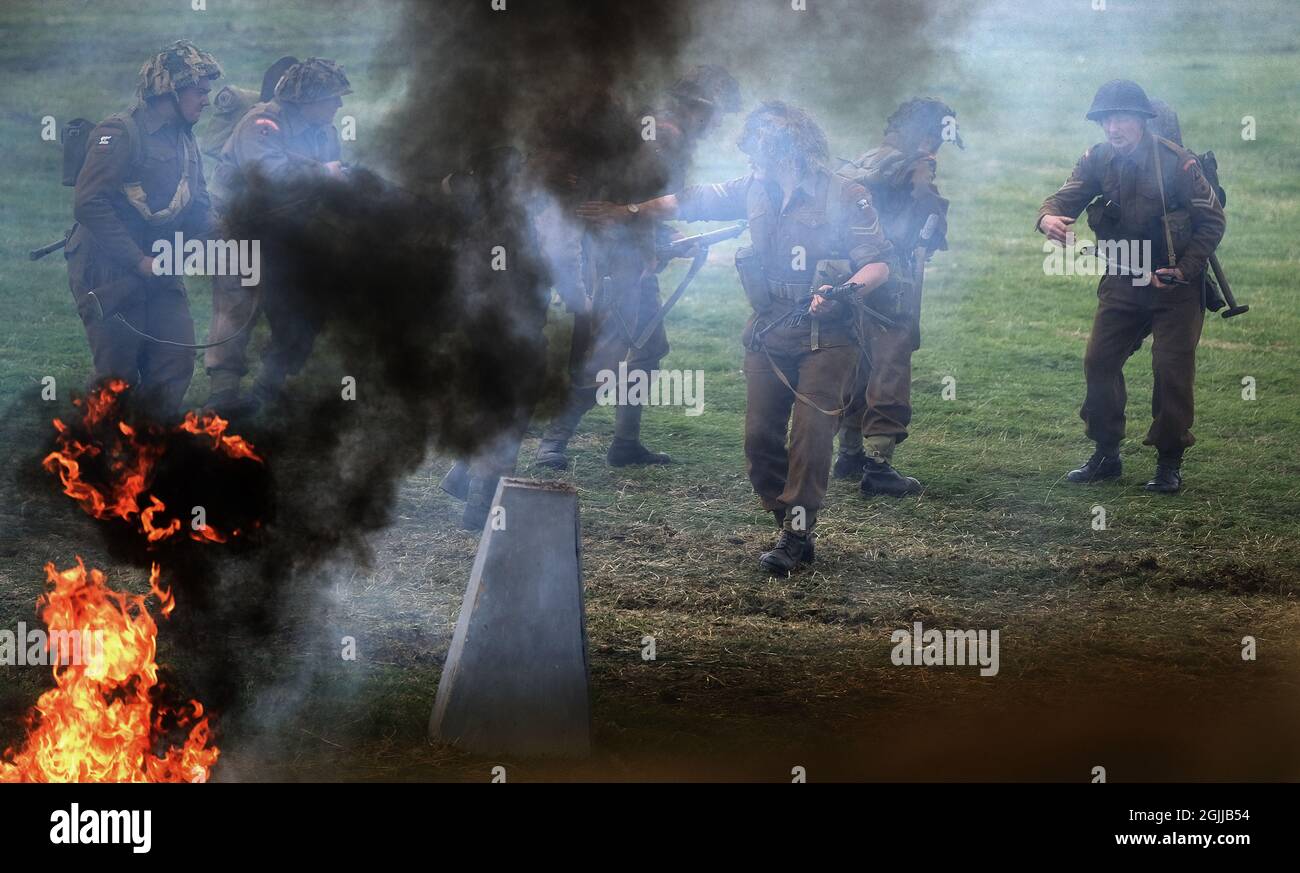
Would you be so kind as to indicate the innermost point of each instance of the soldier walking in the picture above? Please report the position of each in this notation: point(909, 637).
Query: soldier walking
point(142, 181)
point(291, 136)
point(899, 173)
point(1150, 192)
point(801, 346)
point(620, 270)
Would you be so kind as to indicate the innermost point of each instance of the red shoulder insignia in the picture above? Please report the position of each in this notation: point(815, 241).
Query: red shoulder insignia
point(266, 126)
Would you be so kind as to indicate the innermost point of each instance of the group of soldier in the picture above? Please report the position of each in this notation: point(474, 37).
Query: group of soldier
point(833, 271)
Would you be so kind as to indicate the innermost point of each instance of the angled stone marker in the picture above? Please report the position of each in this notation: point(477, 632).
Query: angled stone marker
point(516, 681)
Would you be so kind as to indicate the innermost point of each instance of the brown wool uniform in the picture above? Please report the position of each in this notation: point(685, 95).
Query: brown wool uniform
point(1126, 312)
point(118, 223)
point(827, 217)
point(274, 141)
point(618, 268)
point(881, 408)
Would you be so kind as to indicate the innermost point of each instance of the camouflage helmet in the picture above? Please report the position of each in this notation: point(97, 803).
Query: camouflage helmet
point(777, 131)
point(179, 65)
point(711, 85)
point(312, 79)
point(921, 118)
point(1120, 95)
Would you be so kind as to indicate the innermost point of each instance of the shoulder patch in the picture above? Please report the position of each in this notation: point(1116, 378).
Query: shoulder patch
point(265, 126)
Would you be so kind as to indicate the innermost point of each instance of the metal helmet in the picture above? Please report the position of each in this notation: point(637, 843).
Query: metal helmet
point(272, 76)
point(312, 79)
point(179, 65)
point(709, 84)
point(922, 118)
point(777, 131)
point(1120, 95)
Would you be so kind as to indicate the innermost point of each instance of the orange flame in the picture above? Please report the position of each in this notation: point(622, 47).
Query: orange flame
point(131, 465)
point(98, 723)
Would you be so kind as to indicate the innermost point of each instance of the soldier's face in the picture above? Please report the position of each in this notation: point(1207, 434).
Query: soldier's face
point(321, 111)
point(193, 100)
point(1123, 130)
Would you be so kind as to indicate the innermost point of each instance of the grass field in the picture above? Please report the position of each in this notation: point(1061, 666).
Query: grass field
point(1120, 647)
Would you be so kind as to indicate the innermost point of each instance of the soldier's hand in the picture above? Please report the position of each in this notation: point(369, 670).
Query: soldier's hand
point(821, 305)
point(1167, 273)
point(336, 169)
point(1055, 227)
point(144, 267)
point(603, 212)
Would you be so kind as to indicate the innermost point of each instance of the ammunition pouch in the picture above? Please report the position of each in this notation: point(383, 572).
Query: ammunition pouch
point(1103, 219)
point(75, 134)
point(752, 280)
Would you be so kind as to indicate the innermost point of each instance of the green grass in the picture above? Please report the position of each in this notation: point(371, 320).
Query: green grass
point(1120, 646)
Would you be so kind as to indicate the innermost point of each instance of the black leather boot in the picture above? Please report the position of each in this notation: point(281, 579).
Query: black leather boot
point(1168, 478)
point(878, 477)
point(627, 453)
point(456, 482)
point(848, 465)
point(550, 453)
point(478, 502)
point(229, 404)
point(1101, 466)
point(790, 551)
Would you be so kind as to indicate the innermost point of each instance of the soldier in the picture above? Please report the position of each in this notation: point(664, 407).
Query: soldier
point(805, 223)
point(899, 173)
point(491, 200)
point(621, 269)
point(1151, 193)
point(289, 137)
point(142, 181)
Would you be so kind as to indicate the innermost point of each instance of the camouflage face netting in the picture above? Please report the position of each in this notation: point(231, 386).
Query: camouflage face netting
point(312, 79)
point(922, 118)
point(179, 65)
point(777, 132)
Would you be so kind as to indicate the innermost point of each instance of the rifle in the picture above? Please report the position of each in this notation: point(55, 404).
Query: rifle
point(918, 271)
point(699, 243)
point(848, 291)
point(37, 254)
point(1222, 281)
point(1126, 272)
point(681, 248)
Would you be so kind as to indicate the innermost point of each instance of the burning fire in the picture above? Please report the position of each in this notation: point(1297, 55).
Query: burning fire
point(131, 460)
point(100, 722)
point(104, 721)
